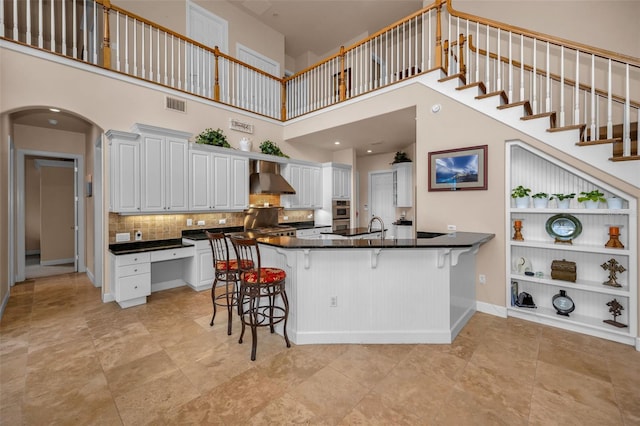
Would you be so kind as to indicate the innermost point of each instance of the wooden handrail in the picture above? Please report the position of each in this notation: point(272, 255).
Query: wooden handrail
point(552, 76)
point(606, 54)
point(214, 51)
point(343, 50)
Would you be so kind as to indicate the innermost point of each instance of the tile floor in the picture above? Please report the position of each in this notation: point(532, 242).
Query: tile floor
point(66, 358)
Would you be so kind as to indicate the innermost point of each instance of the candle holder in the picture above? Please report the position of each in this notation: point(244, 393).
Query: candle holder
point(517, 226)
point(614, 237)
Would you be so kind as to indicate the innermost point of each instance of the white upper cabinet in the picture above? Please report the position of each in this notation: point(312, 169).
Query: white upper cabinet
point(164, 169)
point(217, 181)
point(403, 184)
point(340, 181)
point(306, 180)
point(125, 171)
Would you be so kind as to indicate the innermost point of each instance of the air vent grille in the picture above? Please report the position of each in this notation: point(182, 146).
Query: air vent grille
point(176, 104)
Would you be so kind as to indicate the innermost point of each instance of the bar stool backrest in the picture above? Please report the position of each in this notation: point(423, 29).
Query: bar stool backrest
point(248, 255)
point(220, 250)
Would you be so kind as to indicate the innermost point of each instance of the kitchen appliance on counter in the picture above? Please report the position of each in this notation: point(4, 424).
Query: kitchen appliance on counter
point(341, 214)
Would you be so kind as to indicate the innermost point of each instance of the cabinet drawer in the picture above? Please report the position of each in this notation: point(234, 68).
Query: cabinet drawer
point(134, 269)
point(160, 255)
point(130, 259)
point(133, 286)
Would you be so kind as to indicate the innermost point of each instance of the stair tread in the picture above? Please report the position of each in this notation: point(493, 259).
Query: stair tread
point(598, 142)
point(580, 127)
point(500, 93)
point(453, 77)
point(525, 104)
point(551, 115)
point(627, 158)
point(480, 85)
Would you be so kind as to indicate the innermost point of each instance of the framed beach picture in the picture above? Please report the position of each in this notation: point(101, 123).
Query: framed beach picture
point(460, 169)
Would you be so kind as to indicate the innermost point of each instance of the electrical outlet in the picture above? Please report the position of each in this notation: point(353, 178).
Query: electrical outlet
point(201, 223)
point(123, 236)
point(451, 227)
point(333, 301)
point(222, 221)
point(482, 278)
point(138, 235)
point(310, 216)
point(189, 222)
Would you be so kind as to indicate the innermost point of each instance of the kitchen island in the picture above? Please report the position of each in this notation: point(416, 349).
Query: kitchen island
point(377, 290)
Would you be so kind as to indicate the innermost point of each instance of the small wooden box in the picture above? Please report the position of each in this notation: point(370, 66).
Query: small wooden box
point(563, 270)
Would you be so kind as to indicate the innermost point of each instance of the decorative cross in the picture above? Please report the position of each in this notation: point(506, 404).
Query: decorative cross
point(613, 267)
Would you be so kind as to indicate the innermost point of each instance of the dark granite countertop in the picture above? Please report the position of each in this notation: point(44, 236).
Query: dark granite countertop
point(453, 240)
point(144, 246)
point(353, 232)
point(198, 234)
point(404, 222)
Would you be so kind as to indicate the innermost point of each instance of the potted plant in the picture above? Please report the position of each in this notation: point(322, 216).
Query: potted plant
point(591, 199)
point(521, 196)
point(563, 199)
point(268, 147)
point(401, 157)
point(213, 137)
point(540, 200)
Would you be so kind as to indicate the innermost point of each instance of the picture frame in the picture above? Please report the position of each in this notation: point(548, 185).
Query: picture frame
point(460, 169)
point(514, 292)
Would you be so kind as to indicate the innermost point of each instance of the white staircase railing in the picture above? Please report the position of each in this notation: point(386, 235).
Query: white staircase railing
point(593, 89)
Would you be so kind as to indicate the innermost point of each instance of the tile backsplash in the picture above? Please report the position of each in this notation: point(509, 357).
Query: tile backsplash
point(165, 226)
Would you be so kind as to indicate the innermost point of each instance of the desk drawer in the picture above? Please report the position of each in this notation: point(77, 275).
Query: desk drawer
point(134, 269)
point(133, 286)
point(160, 255)
point(130, 259)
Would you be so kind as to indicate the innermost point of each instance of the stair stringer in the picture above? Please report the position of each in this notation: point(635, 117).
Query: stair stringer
point(596, 156)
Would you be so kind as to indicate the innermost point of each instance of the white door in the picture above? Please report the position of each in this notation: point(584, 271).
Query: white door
point(210, 30)
point(381, 198)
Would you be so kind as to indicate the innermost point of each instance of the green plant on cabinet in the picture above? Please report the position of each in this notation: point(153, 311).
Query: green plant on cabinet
point(213, 137)
point(271, 148)
point(594, 195)
point(520, 192)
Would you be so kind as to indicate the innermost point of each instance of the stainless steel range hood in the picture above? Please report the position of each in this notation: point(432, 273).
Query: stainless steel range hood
point(265, 178)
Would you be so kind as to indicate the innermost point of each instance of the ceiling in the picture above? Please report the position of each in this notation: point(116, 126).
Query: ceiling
point(322, 26)
point(307, 25)
point(390, 132)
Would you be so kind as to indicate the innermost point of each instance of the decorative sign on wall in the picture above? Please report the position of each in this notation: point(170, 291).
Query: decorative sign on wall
point(240, 126)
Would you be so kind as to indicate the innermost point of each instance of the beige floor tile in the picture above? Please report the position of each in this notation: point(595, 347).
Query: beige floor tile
point(149, 403)
point(68, 358)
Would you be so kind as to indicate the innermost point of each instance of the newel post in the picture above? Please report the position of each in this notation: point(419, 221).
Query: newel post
point(438, 34)
point(216, 84)
point(106, 40)
point(342, 82)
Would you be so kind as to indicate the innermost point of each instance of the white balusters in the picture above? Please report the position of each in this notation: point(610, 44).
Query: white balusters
point(561, 114)
point(576, 110)
point(40, 25)
point(547, 99)
point(15, 23)
point(94, 26)
point(63, 19)
point(85, 38)
point(626, 131)
point(609, 103)
point(592, 132)
point(118, 41)
point(74, 50)
point(52, 28)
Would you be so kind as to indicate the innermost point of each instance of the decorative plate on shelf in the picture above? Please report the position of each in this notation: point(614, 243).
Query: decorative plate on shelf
point(563, 227)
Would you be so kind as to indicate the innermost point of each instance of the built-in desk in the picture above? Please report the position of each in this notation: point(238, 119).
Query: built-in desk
point(143, 267)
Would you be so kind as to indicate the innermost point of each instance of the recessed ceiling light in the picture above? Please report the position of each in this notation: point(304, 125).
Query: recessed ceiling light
point(336, 143)
point(369, 151)
point(53, 122)
point(54, 110)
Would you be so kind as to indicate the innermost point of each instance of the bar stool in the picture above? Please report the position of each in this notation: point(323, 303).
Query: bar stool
point(225, 270)
point(259, 288)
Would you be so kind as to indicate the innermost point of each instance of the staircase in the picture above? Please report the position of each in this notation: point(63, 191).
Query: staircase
point(604, 153)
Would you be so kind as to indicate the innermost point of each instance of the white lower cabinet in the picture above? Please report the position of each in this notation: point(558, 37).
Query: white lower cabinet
point(199, 273)
point(531, 254)
point(131, 278)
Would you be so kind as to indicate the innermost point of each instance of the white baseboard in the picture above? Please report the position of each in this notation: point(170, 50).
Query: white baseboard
point(108, 297)
point(31, 252)
point(4, 302)
point(638, 344)
point(491, 309)
point(56, 261)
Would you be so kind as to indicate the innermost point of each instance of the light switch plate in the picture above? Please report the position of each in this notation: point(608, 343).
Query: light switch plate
point(222, 221)
point(201, 223)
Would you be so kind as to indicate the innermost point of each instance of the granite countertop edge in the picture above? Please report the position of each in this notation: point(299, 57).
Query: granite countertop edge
point(146, 246)
point(453, 240)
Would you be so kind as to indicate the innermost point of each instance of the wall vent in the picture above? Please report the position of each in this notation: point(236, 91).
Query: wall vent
point(175, 104)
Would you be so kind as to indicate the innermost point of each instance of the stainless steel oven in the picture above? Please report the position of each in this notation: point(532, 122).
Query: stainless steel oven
point(341, 224)
point(341, 209)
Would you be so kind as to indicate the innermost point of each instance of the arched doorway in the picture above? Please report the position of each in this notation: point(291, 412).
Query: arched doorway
point(58, 138)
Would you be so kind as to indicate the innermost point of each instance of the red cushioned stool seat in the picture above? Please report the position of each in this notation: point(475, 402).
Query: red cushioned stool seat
point(267, 275)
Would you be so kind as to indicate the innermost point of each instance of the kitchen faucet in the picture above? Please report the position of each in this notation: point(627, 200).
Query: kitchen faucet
point(374, 218)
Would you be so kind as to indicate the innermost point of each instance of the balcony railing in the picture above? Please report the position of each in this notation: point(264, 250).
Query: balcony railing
point(584, 86)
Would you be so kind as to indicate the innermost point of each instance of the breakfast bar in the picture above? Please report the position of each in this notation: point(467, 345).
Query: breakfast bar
point(377, 290)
